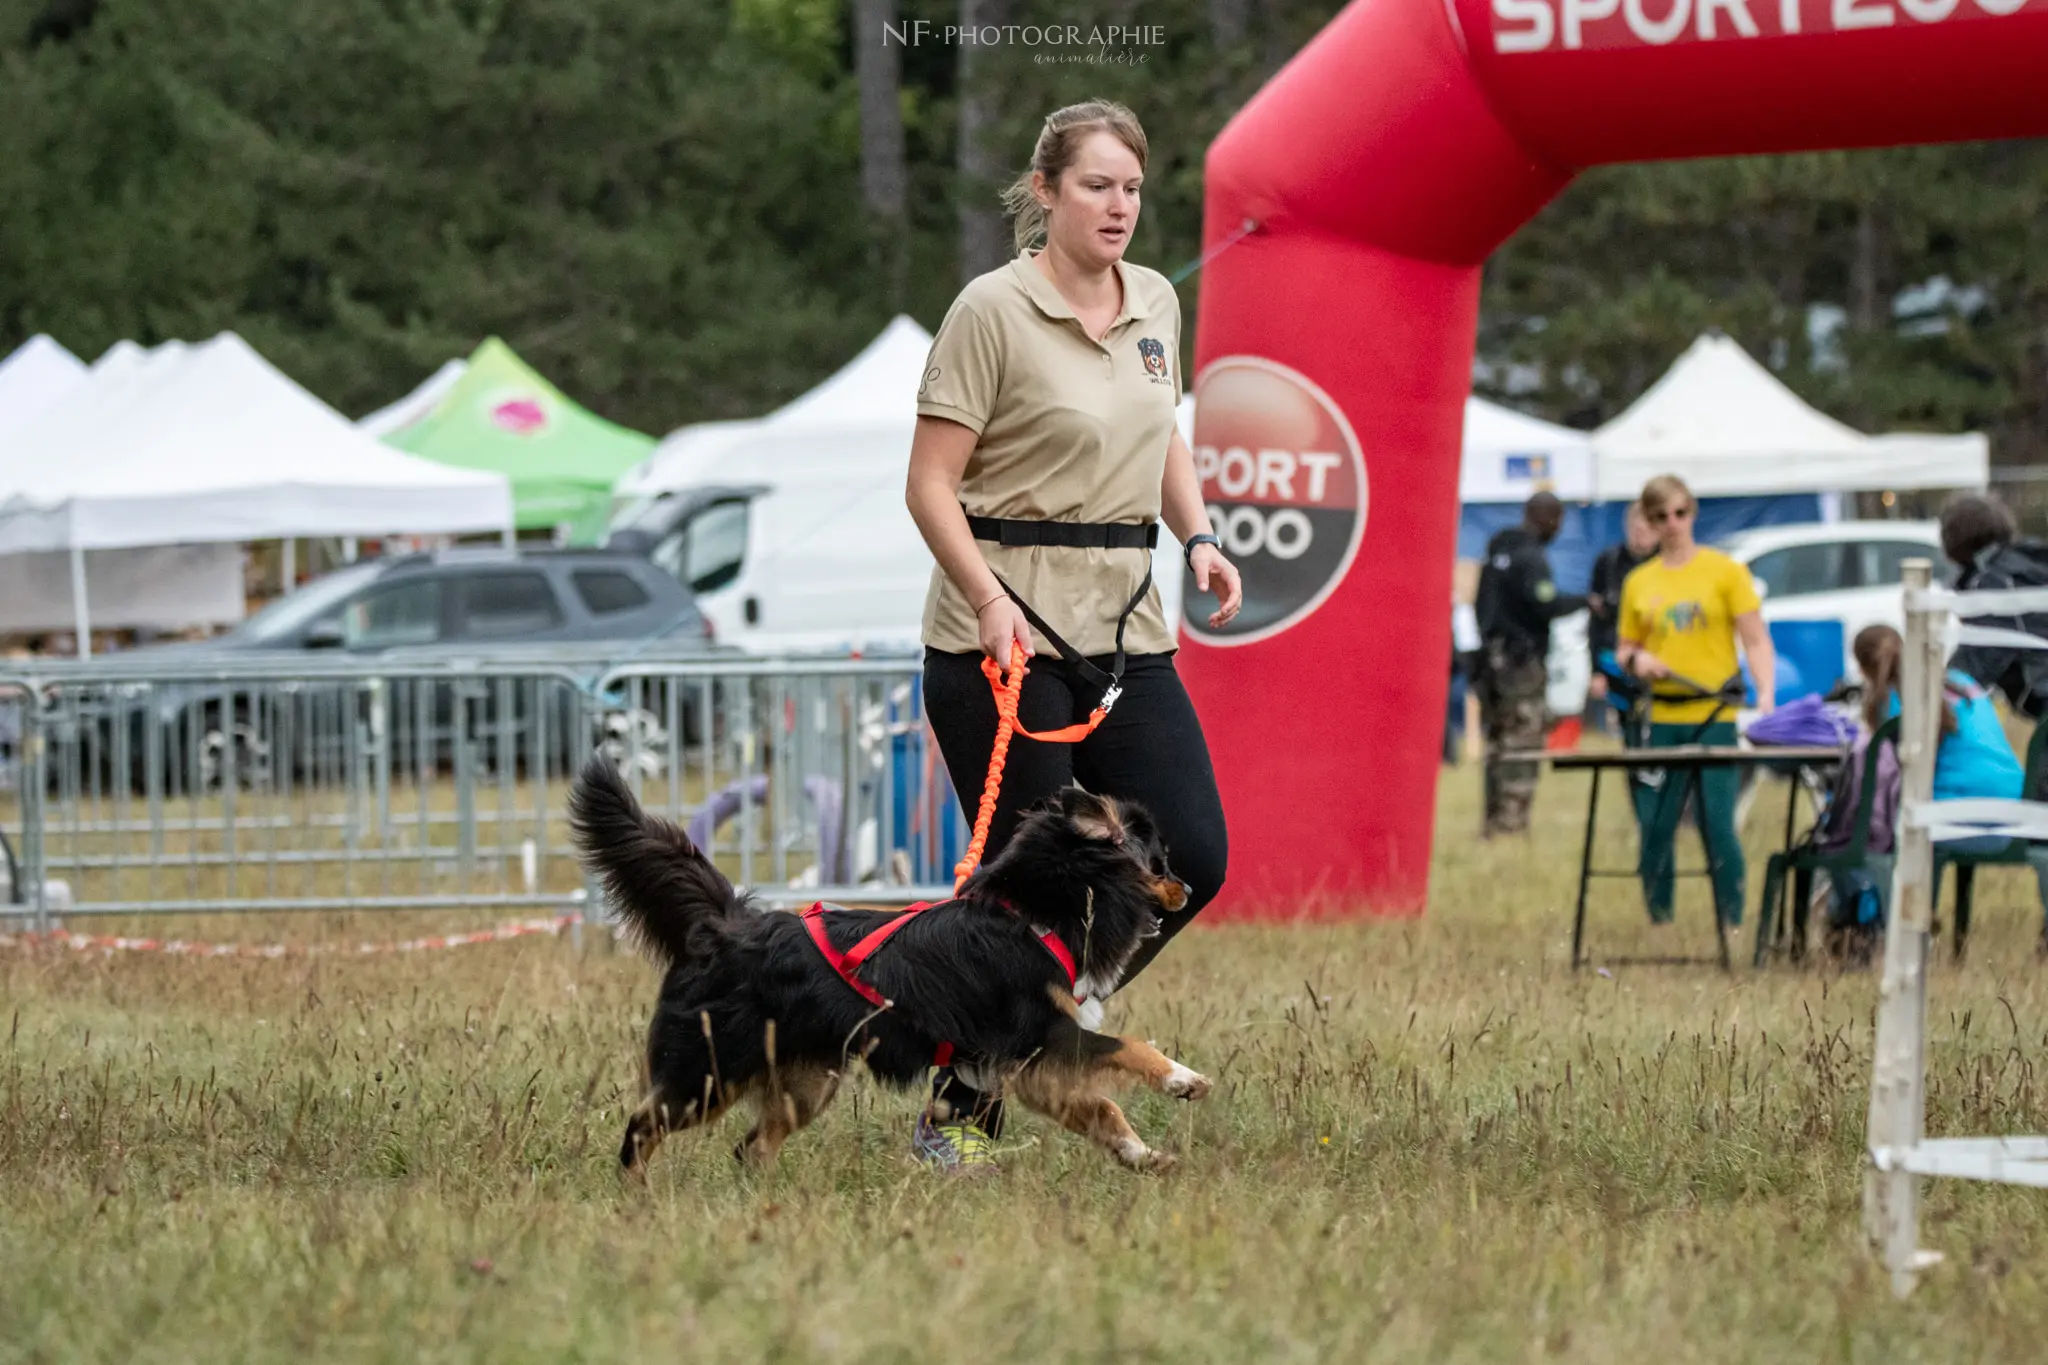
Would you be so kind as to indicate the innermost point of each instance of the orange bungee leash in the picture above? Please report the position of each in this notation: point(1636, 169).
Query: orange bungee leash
point(1007, 694)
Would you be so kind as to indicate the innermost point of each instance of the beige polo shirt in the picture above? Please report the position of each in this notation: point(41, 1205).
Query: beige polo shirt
point(1071, 429)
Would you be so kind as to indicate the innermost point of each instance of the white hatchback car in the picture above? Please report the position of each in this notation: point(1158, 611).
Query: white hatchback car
point(1847, 571)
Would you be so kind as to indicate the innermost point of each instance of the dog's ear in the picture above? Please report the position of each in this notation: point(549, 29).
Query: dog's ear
point(1073, 799)
point(1067, 800)
point(1094, 817)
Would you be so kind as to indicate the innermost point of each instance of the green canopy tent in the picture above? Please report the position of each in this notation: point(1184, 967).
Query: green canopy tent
point(562, 459)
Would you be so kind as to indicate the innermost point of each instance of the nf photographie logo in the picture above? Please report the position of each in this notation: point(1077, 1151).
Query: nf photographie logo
point(1053, 42)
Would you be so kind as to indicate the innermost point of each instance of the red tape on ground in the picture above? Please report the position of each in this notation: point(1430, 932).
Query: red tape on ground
point(178, 947)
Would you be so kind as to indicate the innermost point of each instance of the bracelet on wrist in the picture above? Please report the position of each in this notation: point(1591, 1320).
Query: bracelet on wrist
point(986, 605)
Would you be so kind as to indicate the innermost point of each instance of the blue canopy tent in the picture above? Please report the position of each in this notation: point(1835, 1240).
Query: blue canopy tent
point(1510, 455)
point(1590, 527)
point(1753, 452)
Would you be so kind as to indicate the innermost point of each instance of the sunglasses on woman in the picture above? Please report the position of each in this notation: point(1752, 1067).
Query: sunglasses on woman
point(1658, 518)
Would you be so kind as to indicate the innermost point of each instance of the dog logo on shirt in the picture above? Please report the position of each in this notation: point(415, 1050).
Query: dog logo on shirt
point(1155, 360)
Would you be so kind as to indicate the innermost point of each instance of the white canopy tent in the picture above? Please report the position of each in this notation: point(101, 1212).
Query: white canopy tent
point(836, 457)
point(1509, 455)
point(393, 418)
point(1506, 452)
point(142, 587)
point(154, 586)
point(36, 375)
point(689, 456)
point(868, 406)
point(1729, 428)
point(211, 443)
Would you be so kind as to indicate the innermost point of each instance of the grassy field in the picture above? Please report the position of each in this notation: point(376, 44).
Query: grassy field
point(1430, 1141)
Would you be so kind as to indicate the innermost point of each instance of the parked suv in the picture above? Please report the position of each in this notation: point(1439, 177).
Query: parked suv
point(475, 597)
point(186, 733)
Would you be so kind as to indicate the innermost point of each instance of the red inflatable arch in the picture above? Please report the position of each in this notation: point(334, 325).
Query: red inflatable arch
point(1334, 343)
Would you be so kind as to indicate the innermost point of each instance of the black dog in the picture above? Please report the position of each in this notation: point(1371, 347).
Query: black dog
point(751, 1008)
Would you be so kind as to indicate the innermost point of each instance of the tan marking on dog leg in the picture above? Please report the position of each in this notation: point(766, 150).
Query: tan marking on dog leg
point(1064, 1097)
point(1148, 1064)
point(801, 1095)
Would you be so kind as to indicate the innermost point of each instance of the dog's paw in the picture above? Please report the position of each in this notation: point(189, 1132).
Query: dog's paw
point(1136, 1156)
point(1183, 1084)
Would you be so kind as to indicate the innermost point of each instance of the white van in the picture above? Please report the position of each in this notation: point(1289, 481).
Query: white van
point(815, 562)
point(791, 528)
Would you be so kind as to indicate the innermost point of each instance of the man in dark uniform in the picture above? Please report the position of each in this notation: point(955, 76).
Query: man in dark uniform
point(1517, 601)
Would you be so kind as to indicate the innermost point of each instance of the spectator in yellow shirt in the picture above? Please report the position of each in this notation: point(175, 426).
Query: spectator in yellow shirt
point(1681, 615)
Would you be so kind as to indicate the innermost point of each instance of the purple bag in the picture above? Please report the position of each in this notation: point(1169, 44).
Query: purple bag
point(1801, 722)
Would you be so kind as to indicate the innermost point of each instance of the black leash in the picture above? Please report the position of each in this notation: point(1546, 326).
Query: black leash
point(1726, 696)
point(1077, 535)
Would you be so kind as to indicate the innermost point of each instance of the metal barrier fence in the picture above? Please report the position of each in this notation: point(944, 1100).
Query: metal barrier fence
point(150, 785)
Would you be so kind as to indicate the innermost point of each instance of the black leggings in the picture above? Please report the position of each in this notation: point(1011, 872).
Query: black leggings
point(1150, 750)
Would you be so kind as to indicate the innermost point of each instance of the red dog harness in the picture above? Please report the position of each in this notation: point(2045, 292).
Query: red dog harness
point(849, 963)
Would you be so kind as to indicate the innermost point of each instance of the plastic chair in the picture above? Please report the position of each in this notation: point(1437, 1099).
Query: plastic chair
point(1804, 862)
point(2017, 852)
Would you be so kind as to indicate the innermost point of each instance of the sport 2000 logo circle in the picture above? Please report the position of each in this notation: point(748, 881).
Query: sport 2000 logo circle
point(1284, 481)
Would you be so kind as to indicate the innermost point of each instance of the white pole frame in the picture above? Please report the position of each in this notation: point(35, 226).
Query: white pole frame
point(1898, 1081)
point(81, 614)
point(1899, 1150)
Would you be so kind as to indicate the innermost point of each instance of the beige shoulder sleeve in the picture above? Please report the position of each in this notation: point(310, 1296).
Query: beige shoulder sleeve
point(963, 371)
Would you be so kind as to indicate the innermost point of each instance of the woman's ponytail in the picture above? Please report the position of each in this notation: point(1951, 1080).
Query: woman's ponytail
point(1878, 651)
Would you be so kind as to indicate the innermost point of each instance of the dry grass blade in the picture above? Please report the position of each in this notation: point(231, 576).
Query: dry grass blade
point(1429, 1141)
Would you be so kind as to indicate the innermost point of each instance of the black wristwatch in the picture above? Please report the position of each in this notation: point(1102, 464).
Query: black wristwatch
point(1187, 551)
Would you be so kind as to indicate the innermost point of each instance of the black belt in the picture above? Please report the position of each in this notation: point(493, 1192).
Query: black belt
point(1079, 535)
point(1107, 535)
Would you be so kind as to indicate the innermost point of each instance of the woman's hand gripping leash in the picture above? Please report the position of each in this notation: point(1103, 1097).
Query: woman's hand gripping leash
point(1007, 691)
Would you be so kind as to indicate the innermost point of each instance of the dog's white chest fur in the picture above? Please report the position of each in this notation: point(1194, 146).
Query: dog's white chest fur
point(1091, 987)
point(1093, 995)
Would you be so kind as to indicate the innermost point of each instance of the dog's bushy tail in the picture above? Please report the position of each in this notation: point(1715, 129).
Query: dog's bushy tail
point(673, 901)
